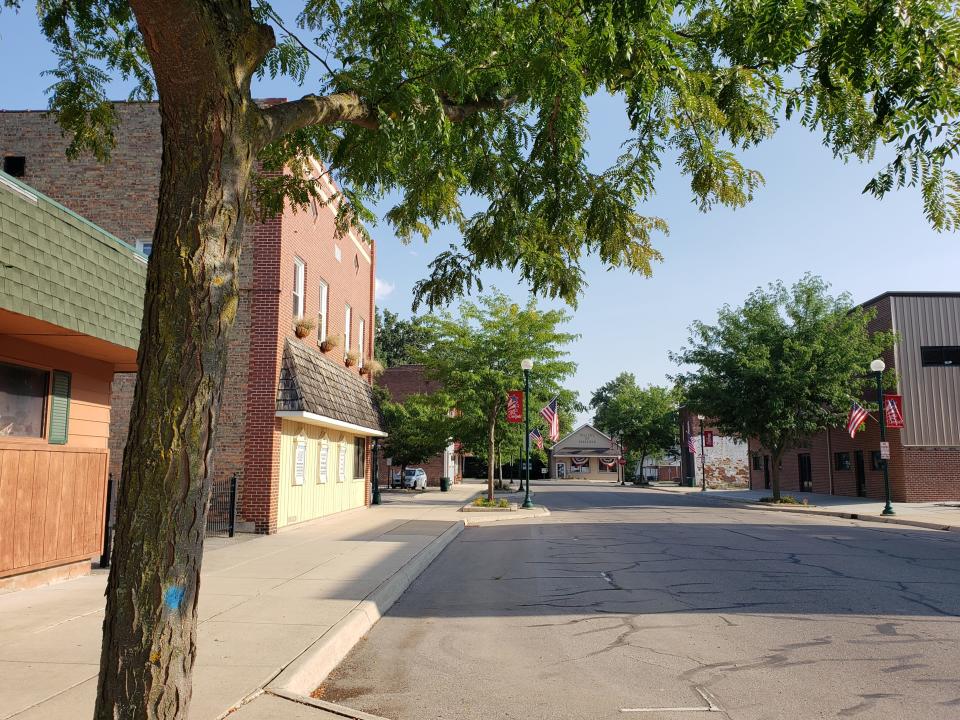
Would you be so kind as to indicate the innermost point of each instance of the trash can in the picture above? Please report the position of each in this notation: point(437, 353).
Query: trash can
point(444, 484)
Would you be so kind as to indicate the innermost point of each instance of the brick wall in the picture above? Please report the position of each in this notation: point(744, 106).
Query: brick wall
point(725, 464)
point(121, 197)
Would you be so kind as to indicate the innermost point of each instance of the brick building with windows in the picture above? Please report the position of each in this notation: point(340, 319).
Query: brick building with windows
point(924, 463)
point(294, 457)
point(403, 381)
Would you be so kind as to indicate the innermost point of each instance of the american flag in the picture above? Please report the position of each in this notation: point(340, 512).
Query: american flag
point(537, 438)
point(892, 414)
point(691, 443)
point(552, 416)
point(856, 418)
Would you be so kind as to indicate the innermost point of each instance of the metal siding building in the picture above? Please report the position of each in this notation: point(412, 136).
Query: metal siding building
point(931, 406)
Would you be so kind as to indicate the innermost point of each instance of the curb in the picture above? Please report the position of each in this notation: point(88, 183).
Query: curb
point(311, 667)
point(751, 505)
point(487, 518)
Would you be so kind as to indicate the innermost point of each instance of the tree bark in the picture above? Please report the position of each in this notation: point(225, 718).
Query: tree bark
point(208, 126)
point(775, 474)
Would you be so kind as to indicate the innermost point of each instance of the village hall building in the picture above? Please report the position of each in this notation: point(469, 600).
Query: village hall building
point(298, 414)
point(70, 307)
point(585, 454)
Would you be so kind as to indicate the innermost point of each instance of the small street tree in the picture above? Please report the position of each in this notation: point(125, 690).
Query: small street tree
point(644, 419)
point(786, 365)
point(476, 354)
point(437, 101)
point(399, 341)
point(418, 428)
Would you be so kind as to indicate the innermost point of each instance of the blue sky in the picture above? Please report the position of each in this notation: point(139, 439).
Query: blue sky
point(809, 217)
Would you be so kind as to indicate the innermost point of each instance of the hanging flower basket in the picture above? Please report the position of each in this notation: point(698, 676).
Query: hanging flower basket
point(330, 343)
point(351, 359)
point(373, 368)
point(303, 327)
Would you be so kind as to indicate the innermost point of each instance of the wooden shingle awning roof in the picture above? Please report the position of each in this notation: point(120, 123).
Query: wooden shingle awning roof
point(316, 391)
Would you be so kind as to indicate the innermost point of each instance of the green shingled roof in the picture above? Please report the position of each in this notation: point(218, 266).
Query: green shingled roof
point(59, 267)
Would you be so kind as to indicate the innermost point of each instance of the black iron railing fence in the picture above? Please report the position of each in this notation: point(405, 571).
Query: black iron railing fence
point(222, 516)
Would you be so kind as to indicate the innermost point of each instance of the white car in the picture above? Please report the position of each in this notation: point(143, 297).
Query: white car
point(415, 479)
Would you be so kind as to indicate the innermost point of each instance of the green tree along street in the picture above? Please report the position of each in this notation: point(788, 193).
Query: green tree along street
point(418, 428)
point(475, 355)
point(399, 341)
point(435, 101)
point(786, 365)
point(644, 419)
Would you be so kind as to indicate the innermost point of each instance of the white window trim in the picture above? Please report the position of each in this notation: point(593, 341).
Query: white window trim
point(324, 310)
point(299, 276)
point(361, 339)
point(347, 322)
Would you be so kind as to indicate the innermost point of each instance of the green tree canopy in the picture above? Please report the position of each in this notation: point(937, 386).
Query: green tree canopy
point(786, 365)
point(476, 355)
point(399, 341)
point(418, 427)
point(644, 419)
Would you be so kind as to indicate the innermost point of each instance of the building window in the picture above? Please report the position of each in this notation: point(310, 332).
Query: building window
point(299, 271)
point(347, 322)
point(940, 356)
point(841, 460)
point(757, 463)
point(322, 318)
point(580, 465)
point(15, 165)
point(359, 458)
point(23, 398)
point(145, 247)
point(361, 338)
point(875, 463)
point(608, 465)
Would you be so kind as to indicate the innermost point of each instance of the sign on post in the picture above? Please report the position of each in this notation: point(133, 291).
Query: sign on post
point(893, 410)
point(515, 406)
point(884, 451)
point(708, 438)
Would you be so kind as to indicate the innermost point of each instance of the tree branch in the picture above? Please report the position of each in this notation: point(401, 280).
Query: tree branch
point(348, 107)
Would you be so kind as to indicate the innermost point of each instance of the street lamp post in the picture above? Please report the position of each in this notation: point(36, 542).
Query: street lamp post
point(376, 474)
point(527, 365)
point(878, 366)
point(703, 459)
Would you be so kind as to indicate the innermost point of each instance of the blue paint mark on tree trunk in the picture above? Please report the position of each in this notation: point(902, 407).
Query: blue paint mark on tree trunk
point(172, 597)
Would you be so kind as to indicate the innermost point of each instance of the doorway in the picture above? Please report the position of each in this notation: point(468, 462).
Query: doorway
point(860, 473)
point(806, 472)
point(766, 472)
point(561, 470)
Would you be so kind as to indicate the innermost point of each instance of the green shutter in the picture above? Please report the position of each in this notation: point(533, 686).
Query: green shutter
point(59, 408)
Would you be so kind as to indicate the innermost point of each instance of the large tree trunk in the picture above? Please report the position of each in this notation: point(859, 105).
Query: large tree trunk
point(149, 631)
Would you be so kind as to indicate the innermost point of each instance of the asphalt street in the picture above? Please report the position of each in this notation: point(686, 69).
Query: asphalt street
point(631, 603)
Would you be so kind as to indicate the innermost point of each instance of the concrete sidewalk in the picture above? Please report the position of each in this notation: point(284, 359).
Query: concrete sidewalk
point(937, 516)
point(274, 610)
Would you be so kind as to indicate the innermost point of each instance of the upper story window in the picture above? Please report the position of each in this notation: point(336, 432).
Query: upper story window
point(15, 165)
point(322, 315)
point(23, 396)
point(940, 355)
point(299, 271)
point(361, 340)
point(347, 321)
point(145, 247)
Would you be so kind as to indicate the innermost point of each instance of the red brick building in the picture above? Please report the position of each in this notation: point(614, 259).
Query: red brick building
point(924, 460)
point(294, 458)
point(721, 457)
point(402, 382)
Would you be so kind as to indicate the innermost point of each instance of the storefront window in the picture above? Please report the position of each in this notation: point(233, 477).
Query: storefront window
point(359, 458)
point(23, 394)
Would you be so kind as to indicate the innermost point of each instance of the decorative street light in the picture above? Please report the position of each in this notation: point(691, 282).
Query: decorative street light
point(878, 366)
point(703, 459)
point(526, 364)
point(376, 473)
